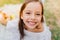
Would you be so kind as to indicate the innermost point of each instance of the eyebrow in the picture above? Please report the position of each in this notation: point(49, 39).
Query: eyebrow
point(27, 10)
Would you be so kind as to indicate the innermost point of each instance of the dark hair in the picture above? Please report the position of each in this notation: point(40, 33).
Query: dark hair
point(20, 25)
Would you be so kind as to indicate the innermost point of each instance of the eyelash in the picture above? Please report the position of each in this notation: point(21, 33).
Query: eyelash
point(27, 13)
point(37, 14)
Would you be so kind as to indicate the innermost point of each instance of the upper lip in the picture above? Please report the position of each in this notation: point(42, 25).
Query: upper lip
point(32, 21)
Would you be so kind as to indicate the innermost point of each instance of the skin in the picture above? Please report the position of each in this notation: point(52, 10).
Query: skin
point(31, 17)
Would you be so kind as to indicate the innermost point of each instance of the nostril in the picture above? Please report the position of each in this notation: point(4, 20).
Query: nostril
point(32, 17)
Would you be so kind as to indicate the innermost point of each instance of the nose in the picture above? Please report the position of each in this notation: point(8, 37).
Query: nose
point(32, 16)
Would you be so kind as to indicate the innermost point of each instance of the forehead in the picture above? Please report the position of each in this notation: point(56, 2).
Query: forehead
point(33, 6)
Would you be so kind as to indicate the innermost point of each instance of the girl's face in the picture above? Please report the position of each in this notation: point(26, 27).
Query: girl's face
point(32, 15)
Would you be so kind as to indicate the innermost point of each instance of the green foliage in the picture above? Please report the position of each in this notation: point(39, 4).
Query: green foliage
point(21, 1)
point(51, 21)
point(2, 2)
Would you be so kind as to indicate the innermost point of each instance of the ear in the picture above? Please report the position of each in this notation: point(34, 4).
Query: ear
point(21, 16)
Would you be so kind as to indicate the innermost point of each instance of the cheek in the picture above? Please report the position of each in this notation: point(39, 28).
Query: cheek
point(25, 18)
point(39, 19)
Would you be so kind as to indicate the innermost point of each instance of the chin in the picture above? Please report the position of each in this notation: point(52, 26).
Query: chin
point(31, 27)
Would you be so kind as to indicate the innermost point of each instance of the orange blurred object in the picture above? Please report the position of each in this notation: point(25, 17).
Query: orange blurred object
point(3, 18)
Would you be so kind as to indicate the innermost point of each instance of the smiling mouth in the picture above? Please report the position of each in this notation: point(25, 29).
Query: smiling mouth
point(31, 23)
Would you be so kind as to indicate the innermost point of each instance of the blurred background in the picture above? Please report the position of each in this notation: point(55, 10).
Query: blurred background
point(51, 12)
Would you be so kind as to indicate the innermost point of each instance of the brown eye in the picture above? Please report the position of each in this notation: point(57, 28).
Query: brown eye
point(27, 13)
point(37, 14)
